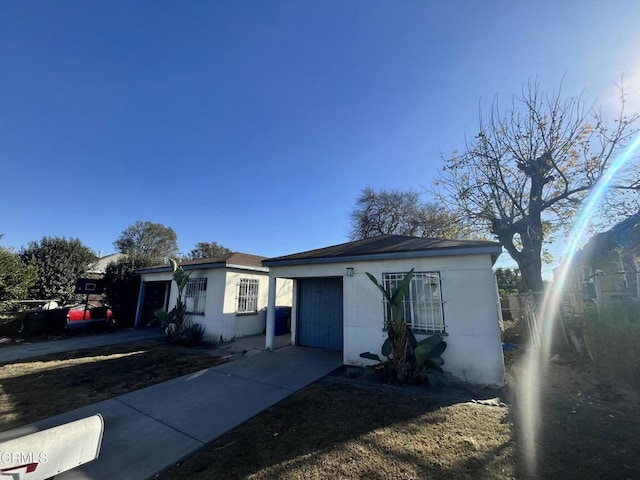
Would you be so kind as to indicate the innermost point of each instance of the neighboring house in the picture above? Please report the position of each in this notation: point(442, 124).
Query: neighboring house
point(607, 268)
point(226, 294)
point(100, 265)
point(453, 293)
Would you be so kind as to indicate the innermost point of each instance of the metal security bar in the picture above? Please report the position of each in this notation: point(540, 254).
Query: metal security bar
point(422, 306)
point(247, 295)
point(196, 296)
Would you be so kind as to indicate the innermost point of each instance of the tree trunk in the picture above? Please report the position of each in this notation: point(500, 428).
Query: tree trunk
point(528, 257)
point(531, 271)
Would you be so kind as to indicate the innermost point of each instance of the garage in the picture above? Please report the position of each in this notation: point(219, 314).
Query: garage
point(320, 313)
point(155, 297)
point(340, 308)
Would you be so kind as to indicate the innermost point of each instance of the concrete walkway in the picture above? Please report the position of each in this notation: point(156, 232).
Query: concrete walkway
point(151, 429)
point(19, 351)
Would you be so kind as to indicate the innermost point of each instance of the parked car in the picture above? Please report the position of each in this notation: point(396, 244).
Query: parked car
point(81, 317)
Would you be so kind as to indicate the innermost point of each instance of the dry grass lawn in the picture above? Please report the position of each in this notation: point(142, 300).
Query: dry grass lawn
point(40, 387)
point(339, 431)
point(588, 430)
point(342, 430)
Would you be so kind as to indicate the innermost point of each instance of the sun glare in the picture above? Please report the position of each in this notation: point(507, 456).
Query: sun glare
point(536, 363)
point(7, 371)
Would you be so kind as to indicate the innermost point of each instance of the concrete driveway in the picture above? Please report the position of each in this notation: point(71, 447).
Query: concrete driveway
point(151, 429)
point(19, 351)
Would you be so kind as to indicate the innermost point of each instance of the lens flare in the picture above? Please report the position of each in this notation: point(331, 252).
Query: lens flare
point(537, 361)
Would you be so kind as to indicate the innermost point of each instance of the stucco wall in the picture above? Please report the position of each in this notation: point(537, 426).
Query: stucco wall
point(233, 324)
point(470, 302)
point(220, 319)
point(215, 292)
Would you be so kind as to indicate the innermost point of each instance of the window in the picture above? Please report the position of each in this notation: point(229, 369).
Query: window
point(247, 295)
point(422, 306)
point(196, 296)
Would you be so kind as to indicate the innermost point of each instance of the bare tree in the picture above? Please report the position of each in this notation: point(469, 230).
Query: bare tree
point(526, 172)
point(400, 212)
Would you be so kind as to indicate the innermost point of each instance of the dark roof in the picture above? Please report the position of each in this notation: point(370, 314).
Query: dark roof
point(228, 260)
point(387, 247)
point(625, 234)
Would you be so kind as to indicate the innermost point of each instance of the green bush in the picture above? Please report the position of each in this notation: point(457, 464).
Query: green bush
point(16, 278)
point(59, 263)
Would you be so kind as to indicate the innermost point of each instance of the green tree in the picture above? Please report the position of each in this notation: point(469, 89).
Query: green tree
point(527, 171)
point(15, 278)
point(509, 279)
point(207, 250)
point(148, 240)
point(400, 212)
point(59, 263)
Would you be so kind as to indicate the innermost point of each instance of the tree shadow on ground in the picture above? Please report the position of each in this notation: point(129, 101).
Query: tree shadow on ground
point(41, 387)
point(342, 431)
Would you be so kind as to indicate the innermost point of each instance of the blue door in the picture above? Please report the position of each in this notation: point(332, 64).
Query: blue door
point(319, 321)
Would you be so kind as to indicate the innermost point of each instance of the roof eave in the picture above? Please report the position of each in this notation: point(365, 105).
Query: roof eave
point(248, 267)
point(167, 268)
point(200, 266)
point(446, 252)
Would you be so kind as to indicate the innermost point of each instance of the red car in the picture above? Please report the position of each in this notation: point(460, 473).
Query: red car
point(79, 316)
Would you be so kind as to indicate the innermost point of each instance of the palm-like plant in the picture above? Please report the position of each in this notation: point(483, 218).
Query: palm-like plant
point(178, 327)
point(409, 360)
point(397, 347)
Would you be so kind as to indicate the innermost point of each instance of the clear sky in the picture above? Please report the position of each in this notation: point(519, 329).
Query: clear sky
point(256, 123)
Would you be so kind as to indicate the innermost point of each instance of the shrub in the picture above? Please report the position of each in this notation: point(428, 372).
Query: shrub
point(15, 280)
point(59, 263)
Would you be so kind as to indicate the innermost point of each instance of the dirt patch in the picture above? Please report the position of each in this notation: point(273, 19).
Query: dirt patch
point(337, 430)
point(40, 387)
point(589, 425)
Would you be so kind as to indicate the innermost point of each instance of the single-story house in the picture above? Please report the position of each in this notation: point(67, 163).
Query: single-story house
point(453, 293)
point(99, 267)
point(226, 294)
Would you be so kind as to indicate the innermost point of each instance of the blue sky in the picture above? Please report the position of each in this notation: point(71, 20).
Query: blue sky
point(256, 123)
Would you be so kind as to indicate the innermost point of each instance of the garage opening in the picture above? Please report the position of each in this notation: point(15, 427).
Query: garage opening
point(320, 313)
point(156, 297)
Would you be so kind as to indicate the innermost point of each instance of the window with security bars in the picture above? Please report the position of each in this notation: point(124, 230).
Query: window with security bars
point(195, 296)
point(422, 305)
point(247, 295)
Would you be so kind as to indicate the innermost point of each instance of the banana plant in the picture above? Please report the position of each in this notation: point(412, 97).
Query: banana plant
point(428, 360)
point(176, 321)
point(397, 347)
point(408, 359)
